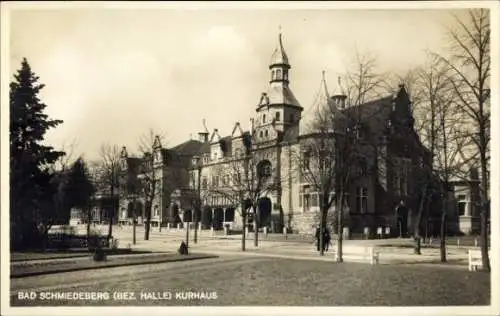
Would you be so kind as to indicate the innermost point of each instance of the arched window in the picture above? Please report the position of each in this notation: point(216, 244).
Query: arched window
point(263, 118)
point(272, 75)
point(278, 74)
point(261, 134)
point(267, 134)
point(264, 169)
point(278, 116)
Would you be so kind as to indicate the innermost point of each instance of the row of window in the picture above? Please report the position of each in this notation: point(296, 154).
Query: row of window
point(279, 74)
point(277, 117)
point(311, 199)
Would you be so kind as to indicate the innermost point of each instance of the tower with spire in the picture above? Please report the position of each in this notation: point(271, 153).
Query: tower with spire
point(278, 109)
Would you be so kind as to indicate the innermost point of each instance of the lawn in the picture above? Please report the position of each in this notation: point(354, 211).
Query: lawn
point(300, 283)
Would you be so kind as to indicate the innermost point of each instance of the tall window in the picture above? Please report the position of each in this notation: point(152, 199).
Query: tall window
point(215, 181)
point(156, 211)
point(305, 198)
point(278, 116)
point(204, 183)
point(307, 202)
point(401, 176)
point(362, 200)
point(266, 133)
point(314, 200)
point(278, 74)
point(263, 118)
point(307, 159)
point(461, 204)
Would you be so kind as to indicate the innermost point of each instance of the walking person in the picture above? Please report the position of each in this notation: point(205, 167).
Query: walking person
point(327, 239)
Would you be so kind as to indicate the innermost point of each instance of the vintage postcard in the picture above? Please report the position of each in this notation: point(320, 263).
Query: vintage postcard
point(269, 158)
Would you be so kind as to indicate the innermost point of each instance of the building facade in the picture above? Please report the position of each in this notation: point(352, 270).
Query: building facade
point(216, 178)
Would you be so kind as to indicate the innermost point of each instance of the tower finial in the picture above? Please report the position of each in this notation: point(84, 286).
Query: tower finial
point(323, 75)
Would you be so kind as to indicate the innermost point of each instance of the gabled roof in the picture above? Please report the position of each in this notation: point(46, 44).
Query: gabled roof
point(215, 137)
point(237, 131)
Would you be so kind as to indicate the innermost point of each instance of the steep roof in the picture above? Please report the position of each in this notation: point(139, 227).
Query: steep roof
point(279, 93)
point(188, 148)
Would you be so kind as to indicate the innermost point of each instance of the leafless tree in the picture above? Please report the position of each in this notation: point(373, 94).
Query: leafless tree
point(242, 181)
point(469, 60)
point(363, 79)
point(335, 153)
point(110, 176)
point(150, 174)
point(438, 126)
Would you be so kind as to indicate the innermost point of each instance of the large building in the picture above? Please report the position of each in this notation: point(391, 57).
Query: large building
point(261, 164)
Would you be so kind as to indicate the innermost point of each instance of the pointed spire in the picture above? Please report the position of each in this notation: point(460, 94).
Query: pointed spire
point(323, 96)
point(339, 90)
point(205, 126)
point(279, 56)
point(324, 88)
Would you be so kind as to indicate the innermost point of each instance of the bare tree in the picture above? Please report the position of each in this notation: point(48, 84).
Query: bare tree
point(470, 63)
point(364, 81)
point(337, 150)
point(151, 174)
point(241, 182)
point(110, 173)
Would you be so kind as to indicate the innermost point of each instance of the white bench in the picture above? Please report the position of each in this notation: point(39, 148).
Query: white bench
point(363, 253)
point(475, 259)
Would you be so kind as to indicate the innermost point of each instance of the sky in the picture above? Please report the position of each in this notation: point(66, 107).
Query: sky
point(113, 74)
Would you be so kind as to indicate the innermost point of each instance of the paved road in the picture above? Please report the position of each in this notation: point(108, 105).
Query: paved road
point(237, 280)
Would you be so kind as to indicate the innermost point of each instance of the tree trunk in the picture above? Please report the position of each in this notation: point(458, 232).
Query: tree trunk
point(418, 239)
point(340, 217)
point(484, 238)
point(443, 234)
point(147, 227)
point(111, 213)
point(321, 240)
point(256, 227)
point(243, 235)
point(89, 217)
